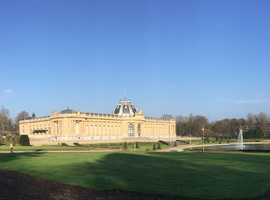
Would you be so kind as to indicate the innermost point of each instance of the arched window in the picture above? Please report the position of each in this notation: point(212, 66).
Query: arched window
point(130, 130)
point(139, 130)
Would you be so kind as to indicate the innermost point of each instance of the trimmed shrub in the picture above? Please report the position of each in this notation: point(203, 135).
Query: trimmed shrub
point(158, 147)
point(64, 144)
point(137, 145)
point(16, 139)
point(228, 141)
point(125, 145)
point(1, 139)
point(8, 140)
point(76, 144)
point(219, 141)
point(175, 144)
point(154, 147)
point(163, 142)
point(24, 140)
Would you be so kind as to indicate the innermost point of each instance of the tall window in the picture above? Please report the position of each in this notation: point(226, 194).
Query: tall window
point(77, 128)
point(139, 130)
point(86, 129)
point(130, 130)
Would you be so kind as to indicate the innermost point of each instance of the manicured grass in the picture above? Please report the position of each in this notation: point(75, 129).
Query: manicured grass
point(86, 147)
point(186, 175)
point(42, 148)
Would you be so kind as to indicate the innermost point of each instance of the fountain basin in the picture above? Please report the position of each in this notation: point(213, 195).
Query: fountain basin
point(233, 147)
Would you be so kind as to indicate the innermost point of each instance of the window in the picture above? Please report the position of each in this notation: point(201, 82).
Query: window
point(77, 128)
point(86, 129)
point(130, 130)
point(139, 130)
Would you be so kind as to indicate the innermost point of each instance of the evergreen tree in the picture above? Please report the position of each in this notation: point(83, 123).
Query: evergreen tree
point(154, 147)
point(137, 145)
point(158, 147)
point(34, 115)
point(125, 145)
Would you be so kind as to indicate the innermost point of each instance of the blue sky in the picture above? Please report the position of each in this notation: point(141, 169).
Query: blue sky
point(208, 58)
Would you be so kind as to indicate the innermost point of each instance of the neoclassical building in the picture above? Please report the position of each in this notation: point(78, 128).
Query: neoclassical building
point(125, 121)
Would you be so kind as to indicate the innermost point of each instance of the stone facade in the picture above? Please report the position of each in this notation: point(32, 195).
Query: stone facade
point(70, 125)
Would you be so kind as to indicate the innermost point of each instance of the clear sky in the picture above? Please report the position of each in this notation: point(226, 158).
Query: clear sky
point(209, 58)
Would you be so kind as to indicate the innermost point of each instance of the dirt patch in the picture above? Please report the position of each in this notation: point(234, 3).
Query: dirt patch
point(14, 185)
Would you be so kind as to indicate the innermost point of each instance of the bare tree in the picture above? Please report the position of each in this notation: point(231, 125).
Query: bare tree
point(250, 120)
point(198, 123)
point(22, 115)
point(261, 119)
point(181, 125)
point(4, 119)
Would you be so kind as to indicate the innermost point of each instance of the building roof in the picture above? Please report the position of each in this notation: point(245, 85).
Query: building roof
point(67, 111)
point(125, 108)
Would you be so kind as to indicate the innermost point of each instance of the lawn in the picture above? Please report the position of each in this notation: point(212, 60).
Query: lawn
point(143, 146)
point(185, 175)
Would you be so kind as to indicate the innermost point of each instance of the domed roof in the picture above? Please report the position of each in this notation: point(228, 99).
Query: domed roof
point(124, 109)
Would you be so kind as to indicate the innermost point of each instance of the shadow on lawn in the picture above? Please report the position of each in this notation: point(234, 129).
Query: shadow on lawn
point(7, 157)
point(185, 175)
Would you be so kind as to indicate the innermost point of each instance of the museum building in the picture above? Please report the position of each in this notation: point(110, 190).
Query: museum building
point(125, 121)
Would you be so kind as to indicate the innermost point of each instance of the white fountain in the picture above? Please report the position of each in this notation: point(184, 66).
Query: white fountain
point(240, 144)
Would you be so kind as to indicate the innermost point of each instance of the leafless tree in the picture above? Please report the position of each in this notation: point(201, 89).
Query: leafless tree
point(261, 119)
point(250, 120)
point(4, 119)
point(22, 115)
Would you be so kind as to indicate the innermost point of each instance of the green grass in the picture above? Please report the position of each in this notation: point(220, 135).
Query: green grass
point(185, 175)
point(43, 148)
point(85, 147)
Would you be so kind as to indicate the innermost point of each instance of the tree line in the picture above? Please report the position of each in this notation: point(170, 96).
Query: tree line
point(192, 125)
point(9, 125)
